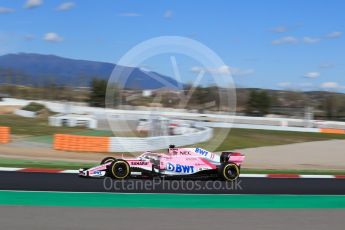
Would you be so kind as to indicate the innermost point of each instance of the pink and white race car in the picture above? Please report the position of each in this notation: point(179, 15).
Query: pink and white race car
point(177, 162)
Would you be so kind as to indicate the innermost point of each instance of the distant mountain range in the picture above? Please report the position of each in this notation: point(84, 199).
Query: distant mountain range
point(38, 69)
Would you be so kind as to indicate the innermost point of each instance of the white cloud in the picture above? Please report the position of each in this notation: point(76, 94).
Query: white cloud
point(312, 75)
point(326, 65)
point(52, 37)
point(33, 3)
point(198, 69)
point(285, 40)
point(29, 37)
point(311, 40)
point(333, 35)
point(65, 6)
point(279, 29)
point(296, 86)
point(331, 85)
point(224, 70)
point(145, 69)
point(284, 84)
point(306, 39)
point(168, 14)
point(305, 85)
point(241, 72)
point(5, 10)
point(129, 14)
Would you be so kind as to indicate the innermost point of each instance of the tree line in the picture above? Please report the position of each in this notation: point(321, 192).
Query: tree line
point(253, 102)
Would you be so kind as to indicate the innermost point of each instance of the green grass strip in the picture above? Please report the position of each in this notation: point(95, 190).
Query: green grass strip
point(71, 199)
point(53, 164)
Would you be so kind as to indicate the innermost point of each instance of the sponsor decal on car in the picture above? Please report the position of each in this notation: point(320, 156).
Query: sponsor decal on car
point(212, 156)
point(180, 168)
point(191, 159)
point(202, 169)
point(185, 153)
point(139, 163)
point(97, 172)
point(201, 151)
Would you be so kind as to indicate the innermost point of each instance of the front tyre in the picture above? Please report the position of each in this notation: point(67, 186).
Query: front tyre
point(230, 171)
point(119, 169)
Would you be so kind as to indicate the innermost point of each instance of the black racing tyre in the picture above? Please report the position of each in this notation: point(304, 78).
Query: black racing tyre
point(119, 169)
point(107, 160)
point(229, 171)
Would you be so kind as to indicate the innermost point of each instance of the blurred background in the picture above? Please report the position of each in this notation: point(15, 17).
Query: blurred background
point(56, 58)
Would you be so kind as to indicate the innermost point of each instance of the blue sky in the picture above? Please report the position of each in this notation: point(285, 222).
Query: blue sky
point(271, 44)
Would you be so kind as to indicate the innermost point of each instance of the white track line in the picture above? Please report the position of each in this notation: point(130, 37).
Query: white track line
point(253, 175)
point(69, 171)
point(9, 169)
point(318, 176)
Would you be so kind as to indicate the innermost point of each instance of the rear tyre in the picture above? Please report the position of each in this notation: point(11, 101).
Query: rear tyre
point(119, 169)
point(107, 160)
point(229, 171)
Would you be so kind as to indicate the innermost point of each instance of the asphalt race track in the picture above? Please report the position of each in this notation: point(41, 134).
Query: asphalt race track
point(72, 183)
point(74, 218)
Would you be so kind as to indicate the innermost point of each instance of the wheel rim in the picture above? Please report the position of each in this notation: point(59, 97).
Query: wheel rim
point(120, 170)
point(231, 172)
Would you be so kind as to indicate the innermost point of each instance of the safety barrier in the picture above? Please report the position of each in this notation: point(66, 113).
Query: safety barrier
point(127, 144)
point(4, 135)
point(133, 144)
point(333, 131)
point(81, 143)
point(138, 144)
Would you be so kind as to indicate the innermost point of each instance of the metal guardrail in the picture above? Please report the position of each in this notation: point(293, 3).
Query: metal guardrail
point(134, 144)
point(262, 127)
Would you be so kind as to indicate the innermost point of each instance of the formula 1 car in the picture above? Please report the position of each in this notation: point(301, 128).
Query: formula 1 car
point(177, 162)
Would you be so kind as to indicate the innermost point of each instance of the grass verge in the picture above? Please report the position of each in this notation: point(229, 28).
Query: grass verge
point(252, 138)
point(66, 199)
point(33, 126)
point(20, 163)
point(235, 139)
